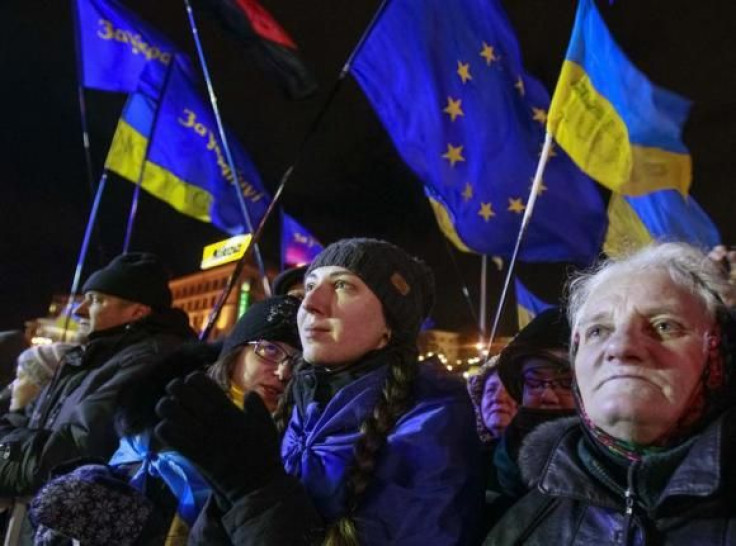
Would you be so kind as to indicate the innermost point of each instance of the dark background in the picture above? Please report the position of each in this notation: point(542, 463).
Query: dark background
point(350, 181)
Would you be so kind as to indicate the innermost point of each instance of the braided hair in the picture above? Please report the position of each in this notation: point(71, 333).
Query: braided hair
point(397, 397)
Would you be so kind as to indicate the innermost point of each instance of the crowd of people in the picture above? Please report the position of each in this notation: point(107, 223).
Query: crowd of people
point(606, 420)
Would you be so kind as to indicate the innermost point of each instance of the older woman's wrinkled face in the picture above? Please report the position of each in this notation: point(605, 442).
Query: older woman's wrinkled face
point(642, 349)
point(497, 408)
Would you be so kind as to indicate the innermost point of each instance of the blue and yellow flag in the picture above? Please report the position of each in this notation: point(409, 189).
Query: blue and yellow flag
point(621, 129)
point(185, 164)
point(665, 215)
point(448, 84)
point(298, 246)
point(115, 46)
point(528, 305)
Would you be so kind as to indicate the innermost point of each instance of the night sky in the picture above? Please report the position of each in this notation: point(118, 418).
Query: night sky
point(350, 181)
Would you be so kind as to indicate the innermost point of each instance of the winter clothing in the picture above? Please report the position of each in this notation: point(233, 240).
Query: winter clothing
point(135, 276)
point(273, 319)
point(580, 493)
point(199, 420)
point(548, 331)
point(74, 415)
point(404, 285)
point(427, 487)
point(476, 387)
point(288, 278)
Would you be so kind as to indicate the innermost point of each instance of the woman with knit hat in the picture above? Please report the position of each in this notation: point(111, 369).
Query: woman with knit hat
point(376, 448)
point(256, 358)
point(650, 457)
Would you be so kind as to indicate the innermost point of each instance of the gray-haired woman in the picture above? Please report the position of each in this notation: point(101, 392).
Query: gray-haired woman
point(649, 459)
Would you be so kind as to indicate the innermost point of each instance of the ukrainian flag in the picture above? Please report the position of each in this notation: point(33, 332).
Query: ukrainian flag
point(665, 215)
point(528, 305)
point(618, 127)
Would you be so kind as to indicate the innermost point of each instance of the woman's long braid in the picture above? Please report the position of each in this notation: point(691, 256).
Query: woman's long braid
point(397, 397)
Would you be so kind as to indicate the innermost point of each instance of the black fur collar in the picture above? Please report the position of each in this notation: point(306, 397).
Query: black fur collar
point(539, 445)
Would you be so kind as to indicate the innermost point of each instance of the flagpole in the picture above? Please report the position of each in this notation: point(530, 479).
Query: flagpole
point(226, 146)
point(464, 286)
point(83, 252)
point(83, 115)
point(139, 181)
point(522, 231)
point(483, 297)
point(288, 172)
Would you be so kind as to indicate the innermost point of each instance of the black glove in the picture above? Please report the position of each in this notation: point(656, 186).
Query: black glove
point(236, 451)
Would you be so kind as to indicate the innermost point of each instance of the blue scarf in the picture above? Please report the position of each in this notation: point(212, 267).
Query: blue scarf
point(180, 475)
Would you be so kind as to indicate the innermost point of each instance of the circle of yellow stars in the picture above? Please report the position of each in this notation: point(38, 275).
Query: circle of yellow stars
point(454, 154)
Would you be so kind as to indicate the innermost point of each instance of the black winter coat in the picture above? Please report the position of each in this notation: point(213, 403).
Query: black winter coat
point(73, 418)
point(693, 501)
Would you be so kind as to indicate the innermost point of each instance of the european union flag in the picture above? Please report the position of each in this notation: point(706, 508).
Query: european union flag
point(448, 84)
point(619, 128)
point(115, 46)
point(185, 164)
point(298, 246)
point(528, 305)
point(664, 215)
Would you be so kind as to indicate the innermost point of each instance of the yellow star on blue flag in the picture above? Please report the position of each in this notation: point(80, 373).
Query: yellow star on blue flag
point(469, 121)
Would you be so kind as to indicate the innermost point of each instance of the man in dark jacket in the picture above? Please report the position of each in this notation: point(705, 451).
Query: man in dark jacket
point(128, 305)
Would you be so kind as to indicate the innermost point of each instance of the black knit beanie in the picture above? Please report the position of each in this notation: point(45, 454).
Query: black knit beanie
point(135, 276)
point(548, 331)
point(272, 319)
point(287, 278)
point(403, 284)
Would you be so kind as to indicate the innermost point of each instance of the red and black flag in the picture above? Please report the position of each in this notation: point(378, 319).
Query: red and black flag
point(262, 34)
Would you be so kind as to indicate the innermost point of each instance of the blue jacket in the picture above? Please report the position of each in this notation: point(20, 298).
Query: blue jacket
point(427, 487)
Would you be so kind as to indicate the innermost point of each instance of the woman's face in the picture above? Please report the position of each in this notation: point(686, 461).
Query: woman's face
point(547, 384)
point(497, 408)
point(262, 368)
point(642, 349)
point(340, 319)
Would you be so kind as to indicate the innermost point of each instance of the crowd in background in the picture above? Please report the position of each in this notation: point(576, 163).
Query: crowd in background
point(607, 419)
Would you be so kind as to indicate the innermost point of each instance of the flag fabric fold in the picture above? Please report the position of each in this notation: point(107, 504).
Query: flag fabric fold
point(185, 165)
point(665, 215)
point(262, 35)
point(450, 89)
point(298, 246)
point(528, 305)
point(618, 127)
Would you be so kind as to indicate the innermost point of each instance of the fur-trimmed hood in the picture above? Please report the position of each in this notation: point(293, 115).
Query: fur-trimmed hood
point(137, 401)
point(540, 444)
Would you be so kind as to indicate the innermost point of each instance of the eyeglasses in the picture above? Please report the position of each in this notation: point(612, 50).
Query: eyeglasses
point(270, 352)
point(537, 386)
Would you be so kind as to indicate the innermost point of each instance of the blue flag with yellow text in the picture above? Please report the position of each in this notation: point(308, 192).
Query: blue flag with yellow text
point(664, 215)
point(115, 46)
point(620, 128)
point(298, 246)
point(447, 82)
point(528, 305)
point(185, 164)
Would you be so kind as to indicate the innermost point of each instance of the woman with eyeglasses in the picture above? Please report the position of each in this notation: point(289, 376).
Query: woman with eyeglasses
point(377, 448)
point(254, 360)
point(535, 370)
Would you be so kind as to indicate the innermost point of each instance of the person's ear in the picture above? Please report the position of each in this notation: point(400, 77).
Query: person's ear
point(385, 338)
point(140, 311)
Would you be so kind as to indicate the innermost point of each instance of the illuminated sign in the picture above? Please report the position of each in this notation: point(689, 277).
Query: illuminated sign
point(229, 250)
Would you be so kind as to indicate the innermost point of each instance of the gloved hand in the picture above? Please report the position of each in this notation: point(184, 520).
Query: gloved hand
point(236, 451)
